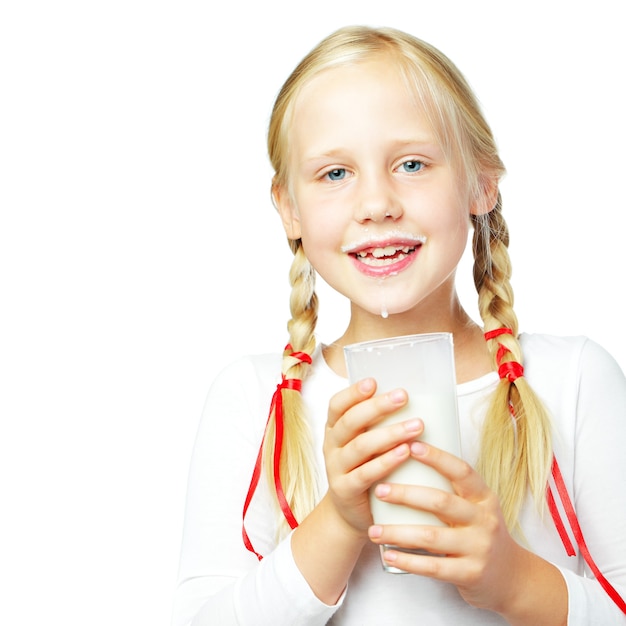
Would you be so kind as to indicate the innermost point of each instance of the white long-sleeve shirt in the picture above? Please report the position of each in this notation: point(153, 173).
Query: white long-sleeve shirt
point(223, 584)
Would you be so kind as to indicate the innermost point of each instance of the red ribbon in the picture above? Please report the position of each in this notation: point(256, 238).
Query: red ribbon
point(511, 370)
point(570, 512)
point(277, 401)
point(492, 334)
point(276, 408)
point(303, 357)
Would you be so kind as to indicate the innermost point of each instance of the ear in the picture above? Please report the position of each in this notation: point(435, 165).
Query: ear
point(488, 196)
point(287, 211)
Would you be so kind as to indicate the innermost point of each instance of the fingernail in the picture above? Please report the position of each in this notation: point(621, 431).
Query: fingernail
point(382, 490)
point(402, 450)
point(397, 396)
point(413, 426)
point(366, 385)
point(390, 557)
point(375, 531)
point(418, 448)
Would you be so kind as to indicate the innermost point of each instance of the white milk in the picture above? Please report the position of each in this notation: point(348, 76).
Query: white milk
point(439, 413)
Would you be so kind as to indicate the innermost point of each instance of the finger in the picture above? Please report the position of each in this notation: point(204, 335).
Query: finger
point(435, 540)
point(364, 414)
point(447, 568)
point(448, 507)
point(465, 480)
point(362, 477)
point(349, 397)
point(374, 442)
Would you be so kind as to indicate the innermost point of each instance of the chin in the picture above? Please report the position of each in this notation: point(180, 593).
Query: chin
point(387, 310)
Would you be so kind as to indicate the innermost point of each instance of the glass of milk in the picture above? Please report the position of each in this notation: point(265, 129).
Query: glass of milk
point(422, 365)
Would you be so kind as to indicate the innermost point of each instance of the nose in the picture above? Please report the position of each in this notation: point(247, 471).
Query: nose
point(377, 200)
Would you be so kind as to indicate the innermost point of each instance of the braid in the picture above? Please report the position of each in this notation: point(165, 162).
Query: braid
point(297, 465)
point(515, 451)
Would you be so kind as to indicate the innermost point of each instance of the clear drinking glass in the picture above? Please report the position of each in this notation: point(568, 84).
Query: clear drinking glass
point(423, 365)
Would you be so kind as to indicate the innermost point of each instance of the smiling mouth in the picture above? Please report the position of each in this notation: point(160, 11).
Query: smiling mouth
point(394, 251)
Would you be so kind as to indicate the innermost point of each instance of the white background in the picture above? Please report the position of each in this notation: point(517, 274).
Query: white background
point(139, 251)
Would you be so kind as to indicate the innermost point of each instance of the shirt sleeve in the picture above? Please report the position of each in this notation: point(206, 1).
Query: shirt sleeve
point(220, 581)
point(599, 493)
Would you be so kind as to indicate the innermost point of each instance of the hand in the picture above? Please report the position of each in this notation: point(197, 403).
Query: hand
point(357, 457)
point(480, 554)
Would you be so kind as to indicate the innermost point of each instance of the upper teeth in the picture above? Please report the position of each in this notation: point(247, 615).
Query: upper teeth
point(382, 252)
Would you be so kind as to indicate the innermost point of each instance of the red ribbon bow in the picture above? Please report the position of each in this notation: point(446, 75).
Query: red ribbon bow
point(511, 370)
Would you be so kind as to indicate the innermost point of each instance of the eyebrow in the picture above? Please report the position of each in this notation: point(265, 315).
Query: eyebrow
point(419, 144)
point(323, 156)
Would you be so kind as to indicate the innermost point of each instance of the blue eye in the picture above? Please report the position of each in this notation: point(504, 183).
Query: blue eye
point(337, 174)
point(412, 166)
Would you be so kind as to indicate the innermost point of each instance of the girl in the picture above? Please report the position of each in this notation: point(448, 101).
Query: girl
point(383, 162)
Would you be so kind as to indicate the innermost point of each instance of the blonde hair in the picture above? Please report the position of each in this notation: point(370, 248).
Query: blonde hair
point(515, 452)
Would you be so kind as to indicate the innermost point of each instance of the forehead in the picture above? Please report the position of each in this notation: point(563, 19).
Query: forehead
point(361, 100)
point(367, 78)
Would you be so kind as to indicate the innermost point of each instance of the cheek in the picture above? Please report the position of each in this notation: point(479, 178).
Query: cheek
point(318, 240)
point(450, 227)
point(321, 224)
point(450, 217)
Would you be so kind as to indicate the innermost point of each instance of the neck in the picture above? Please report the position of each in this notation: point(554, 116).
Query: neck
point(470, 349)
